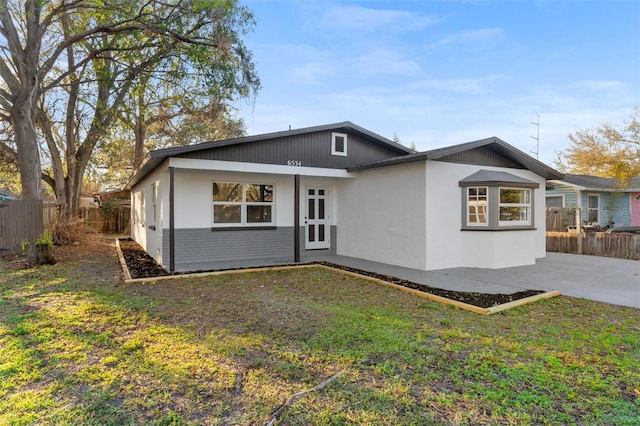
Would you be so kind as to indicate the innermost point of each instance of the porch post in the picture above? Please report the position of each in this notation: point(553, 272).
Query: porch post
point(172, 239)
point(296, 219)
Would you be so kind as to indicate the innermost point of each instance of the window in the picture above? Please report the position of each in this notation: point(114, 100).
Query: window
point(240, 204)
point(593, 208)
point(154, 201)
point(515, 206)
point(477, 206)
point(555, 200)
point(495, 200)
point(143, 212)
point(339, 144)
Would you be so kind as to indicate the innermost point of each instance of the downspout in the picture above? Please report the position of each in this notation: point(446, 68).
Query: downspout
point(172, 239)
point(296, 219)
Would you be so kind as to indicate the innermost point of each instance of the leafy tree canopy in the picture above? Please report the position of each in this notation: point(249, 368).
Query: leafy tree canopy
point(604, 151)
point(72, 71)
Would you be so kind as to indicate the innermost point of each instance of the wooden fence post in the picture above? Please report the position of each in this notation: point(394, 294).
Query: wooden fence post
point(579, 228)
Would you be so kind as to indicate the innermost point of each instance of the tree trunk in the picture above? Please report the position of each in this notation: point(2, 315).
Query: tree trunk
point(74, 184)
point(140, 132)
point(28, 153)
point(40, 255)
point(140, 127)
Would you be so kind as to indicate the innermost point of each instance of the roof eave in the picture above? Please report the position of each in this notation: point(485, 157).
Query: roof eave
point(411, 158)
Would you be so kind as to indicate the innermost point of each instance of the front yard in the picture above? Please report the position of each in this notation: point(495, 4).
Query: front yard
point(79, 347)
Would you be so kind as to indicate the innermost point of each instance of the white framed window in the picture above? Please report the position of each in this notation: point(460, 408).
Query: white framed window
point(593, 208)
point(515, 207)
point(490, 202)
point(477, 205)
point(243, 204)
point(154, 201)
point(339, 144)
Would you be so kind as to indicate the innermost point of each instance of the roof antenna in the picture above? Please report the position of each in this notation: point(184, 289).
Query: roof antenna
point(537, 138)
point(289, 126)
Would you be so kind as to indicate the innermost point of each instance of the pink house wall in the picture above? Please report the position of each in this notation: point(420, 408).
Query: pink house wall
point(635, 209)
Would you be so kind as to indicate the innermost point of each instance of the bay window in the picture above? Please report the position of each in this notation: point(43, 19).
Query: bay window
point(494, 201)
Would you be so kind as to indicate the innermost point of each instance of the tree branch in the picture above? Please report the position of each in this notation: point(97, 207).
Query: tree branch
point(8, 152)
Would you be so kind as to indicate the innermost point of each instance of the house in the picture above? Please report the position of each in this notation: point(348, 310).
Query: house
point(6, 195)
point(602, 200)
point(339, 189)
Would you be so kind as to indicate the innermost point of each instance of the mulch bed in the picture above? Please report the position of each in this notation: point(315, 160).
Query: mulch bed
point(141, 265)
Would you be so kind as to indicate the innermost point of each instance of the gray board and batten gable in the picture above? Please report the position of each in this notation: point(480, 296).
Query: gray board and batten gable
point(307, 147)
point(484, 152)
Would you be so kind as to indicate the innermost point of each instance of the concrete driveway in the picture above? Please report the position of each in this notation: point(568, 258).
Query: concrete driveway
point(602, 279)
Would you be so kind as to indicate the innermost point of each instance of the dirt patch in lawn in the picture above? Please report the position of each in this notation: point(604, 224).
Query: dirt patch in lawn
point(141, 265)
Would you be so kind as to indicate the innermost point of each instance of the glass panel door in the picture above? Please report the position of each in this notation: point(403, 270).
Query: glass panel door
point(317, 218)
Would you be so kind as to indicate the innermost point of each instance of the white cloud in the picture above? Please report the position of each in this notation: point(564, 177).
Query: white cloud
point(459, 85)
point(303, 64)
point(598, 85)
point(471, 37)
point(311, 73)
point(385, 62)
point(373, 20)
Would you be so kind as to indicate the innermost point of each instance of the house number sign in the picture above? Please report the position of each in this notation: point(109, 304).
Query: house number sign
point(297, 163)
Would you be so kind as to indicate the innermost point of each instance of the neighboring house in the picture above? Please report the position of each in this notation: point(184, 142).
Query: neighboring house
point(602, 200)
point(339, 189)
point(6, 195)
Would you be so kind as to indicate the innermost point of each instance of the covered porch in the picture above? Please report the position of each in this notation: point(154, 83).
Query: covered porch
point(300, 214)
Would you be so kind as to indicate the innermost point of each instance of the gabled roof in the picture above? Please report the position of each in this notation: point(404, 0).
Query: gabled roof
point(345, 125)
point(155, 158)
point(596, 183)
point(494, 144)
point(484, 177)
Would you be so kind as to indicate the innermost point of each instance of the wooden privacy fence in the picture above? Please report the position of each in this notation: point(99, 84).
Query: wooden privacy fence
point(20, 220)
point(559, 219)
point(608, 244)
point(116, 221)
point(50, 214)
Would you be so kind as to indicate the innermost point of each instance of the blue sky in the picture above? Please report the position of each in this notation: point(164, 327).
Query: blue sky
point(441, 73)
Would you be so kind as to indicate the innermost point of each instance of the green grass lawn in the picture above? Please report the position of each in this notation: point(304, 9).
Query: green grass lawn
point(78, 347)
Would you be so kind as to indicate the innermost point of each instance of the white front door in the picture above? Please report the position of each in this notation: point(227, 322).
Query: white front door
point(316, 219)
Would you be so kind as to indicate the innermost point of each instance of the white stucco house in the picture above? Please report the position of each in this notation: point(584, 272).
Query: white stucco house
point(344, 190)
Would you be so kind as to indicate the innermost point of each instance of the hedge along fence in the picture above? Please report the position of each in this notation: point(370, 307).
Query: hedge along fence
point(619, 245)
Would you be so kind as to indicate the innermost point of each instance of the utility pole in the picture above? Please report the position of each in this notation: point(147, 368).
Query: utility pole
point(537, 137)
